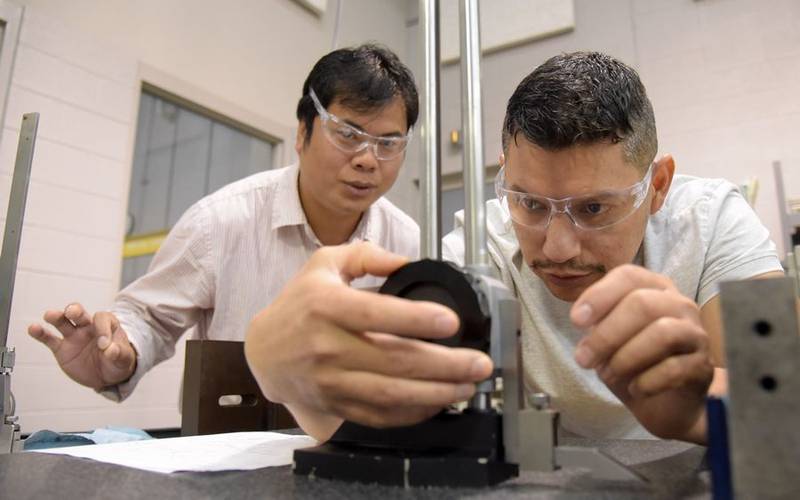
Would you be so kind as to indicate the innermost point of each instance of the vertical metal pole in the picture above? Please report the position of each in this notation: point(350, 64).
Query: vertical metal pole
point(472, 120)
point(16, 211)
point(431, 235)
point(783, 209)
point(9, 427)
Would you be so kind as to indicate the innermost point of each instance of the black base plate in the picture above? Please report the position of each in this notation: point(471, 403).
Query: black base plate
point(399, 468)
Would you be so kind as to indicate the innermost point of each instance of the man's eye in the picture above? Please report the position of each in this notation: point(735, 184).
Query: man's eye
point(388, 143)
point(530, 204)
point(346, 133)
point(594, 208)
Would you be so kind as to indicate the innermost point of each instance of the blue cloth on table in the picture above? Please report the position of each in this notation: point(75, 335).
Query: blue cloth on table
point(44, 439)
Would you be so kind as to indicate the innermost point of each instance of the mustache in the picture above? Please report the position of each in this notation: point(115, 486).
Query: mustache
point(570, 265)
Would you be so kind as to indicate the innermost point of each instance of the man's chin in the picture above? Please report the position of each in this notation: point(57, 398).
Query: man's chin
point(565, 294)
point(565, 290)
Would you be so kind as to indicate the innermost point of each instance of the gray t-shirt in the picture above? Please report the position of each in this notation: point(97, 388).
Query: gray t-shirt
point(704, 234)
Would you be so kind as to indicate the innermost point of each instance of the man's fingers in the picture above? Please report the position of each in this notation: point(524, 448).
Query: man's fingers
point(663, 338)
point(77, 315)
point(364, 414)
point(632, 314)
point(51, 340)
point(373, 312)
point(416, 359)
point(126, 355)
point(113, 341)
point(599, 299)
point(68, 320)
point(358, 259)
point(389, 397)
point(105, 325)
point(673, 373)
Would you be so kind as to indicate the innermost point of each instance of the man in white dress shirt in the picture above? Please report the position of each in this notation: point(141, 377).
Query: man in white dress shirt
point(232, 252)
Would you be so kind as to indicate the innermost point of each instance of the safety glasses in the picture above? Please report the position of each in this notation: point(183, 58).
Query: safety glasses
point(591, 211)
point(350, 139)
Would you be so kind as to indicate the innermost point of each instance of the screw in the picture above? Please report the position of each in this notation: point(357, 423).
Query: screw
point(540, 400)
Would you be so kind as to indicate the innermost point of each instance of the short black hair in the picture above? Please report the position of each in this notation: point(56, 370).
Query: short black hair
point(363, 78)
point(583, 98)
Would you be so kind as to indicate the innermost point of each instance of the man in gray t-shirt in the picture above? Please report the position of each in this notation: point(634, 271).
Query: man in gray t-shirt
point(704, 233)
point(615, 261)
point(581, 196)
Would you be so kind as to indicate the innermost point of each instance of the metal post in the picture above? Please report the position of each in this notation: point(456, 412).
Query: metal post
point(16, 211)
point(431, 235)
point(472, 124)
point(9, 427)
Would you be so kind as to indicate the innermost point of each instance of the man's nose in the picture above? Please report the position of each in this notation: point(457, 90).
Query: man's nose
point(561, 242)
point(366, 158)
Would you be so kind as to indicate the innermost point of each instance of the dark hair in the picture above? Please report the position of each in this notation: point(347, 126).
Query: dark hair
point(583, 98)
point(363, 78)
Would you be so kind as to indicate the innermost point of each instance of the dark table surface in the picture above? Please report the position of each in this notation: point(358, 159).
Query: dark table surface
point(672, 470)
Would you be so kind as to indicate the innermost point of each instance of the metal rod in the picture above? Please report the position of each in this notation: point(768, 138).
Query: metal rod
point(472, 124)
point(431, 233)
point(14, 216)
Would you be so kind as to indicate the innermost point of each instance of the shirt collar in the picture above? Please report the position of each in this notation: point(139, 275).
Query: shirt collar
point(288, 211)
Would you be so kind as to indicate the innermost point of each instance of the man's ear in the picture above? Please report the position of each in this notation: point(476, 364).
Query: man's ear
point(502, 159)
point(663, 171)
point(300, 140)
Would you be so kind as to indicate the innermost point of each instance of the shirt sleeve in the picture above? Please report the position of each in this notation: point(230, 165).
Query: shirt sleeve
point(739, 247)
point(170, 298)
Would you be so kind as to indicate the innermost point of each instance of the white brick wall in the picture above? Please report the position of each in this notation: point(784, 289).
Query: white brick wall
point(87, 93)
point(723, 76)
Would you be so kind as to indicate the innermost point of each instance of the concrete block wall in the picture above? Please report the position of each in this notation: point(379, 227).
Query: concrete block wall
point(724, 76)
point(87, 94)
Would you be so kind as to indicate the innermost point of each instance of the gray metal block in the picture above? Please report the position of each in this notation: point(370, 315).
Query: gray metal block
point(762, 345)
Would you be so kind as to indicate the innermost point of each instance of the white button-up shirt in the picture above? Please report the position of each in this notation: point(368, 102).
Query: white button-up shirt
point(227, 258)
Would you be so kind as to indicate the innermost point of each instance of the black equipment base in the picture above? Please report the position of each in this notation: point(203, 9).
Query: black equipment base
point(398, 468)
point(455, 449)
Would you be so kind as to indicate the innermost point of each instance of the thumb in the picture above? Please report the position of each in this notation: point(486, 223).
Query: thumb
point(359, 259)
point(117, 350)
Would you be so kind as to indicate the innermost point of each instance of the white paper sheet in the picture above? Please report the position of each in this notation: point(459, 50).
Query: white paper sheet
point(214, 452)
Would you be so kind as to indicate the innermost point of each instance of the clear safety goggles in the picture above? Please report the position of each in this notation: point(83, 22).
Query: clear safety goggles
point(350, 139)
point(591, 211)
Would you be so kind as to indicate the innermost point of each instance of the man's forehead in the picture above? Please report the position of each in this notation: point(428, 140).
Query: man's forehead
point(576, 170)
point(387, 115)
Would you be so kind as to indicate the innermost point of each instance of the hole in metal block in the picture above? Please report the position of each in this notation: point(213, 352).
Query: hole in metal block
point(768, 383)
point(763, 328)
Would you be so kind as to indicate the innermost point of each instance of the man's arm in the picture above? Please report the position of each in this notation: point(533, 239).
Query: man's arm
point(92, 350)
point(330, 352)
point(111, 350)
point(646, 342)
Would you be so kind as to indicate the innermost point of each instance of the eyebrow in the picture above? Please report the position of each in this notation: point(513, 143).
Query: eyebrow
point(518, 189)
point(361, 129)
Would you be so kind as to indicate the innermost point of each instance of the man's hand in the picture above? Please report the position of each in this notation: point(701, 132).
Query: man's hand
point(649, 347)
point(93, 351)
point(330, 352)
